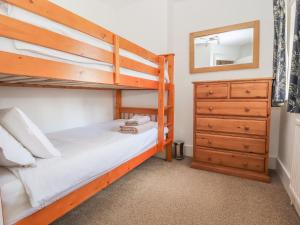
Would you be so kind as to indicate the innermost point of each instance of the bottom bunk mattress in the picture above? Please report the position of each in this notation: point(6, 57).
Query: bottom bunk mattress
point(87, 152)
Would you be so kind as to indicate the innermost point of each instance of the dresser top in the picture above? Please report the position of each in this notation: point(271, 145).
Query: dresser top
point(239, 80)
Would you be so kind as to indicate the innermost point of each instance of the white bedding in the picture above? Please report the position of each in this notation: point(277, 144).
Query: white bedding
point(20, 47)
point(14, 200)
point(87, 153)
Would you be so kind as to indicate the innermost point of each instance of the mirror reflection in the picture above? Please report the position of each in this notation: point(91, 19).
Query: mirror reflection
point(227, 48)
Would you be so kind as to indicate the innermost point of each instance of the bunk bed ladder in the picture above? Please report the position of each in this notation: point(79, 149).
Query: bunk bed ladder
point(161, 103)
point(170, 104)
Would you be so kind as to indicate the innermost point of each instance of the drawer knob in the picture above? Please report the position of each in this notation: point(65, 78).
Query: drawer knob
point(209, 142)
point(210, 92)
point(210, 126)
point(245, 165)
point(209, 159)
point(247, 128)
point(210, 108)
point(246, 146)
point(248, 91)
point(247, 109)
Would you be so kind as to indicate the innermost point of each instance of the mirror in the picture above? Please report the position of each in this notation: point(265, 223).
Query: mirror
point(226, 48)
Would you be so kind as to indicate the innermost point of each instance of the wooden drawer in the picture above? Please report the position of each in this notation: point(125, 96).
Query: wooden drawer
point(238, 126)
point(251, 145)
point(212, 91)
point(236, 160)
point(259, 109)
point(249, 90)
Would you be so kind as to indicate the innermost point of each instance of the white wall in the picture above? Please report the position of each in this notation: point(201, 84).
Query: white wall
point(145, 23)
point(57, 109)
point(93, 10)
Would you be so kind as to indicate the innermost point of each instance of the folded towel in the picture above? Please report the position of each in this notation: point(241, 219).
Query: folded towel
point(137, 129)
point(137, 120)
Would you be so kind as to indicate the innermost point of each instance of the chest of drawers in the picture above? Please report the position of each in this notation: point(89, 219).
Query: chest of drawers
point(232, 126)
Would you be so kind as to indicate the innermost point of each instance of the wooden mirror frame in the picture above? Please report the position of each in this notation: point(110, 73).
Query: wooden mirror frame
point(256, 34)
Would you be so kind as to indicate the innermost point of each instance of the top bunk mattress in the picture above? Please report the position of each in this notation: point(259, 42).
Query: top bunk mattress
point(23, 48)
point(87, 153)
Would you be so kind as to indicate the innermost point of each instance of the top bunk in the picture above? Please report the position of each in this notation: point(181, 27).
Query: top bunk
point(45, 45)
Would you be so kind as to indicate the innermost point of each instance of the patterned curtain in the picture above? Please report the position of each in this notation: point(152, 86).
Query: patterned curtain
point(279, 54)
point(294, 88)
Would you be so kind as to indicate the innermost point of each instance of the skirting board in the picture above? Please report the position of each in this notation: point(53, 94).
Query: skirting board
point(188, 151)
point(295, 201)
point(285, 177)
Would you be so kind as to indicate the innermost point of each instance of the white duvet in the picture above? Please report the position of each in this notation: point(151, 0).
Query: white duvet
point(87, 153)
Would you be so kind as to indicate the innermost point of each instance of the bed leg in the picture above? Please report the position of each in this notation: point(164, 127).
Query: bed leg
point(169, 152)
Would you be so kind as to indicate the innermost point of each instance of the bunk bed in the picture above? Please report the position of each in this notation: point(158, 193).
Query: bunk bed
point(47, 46)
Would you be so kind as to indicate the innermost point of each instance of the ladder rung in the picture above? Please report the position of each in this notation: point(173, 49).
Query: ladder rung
point(169, 124)
point(168, 107)
point(168, 141)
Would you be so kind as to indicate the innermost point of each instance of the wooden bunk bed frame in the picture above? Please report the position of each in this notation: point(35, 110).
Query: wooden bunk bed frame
point(25, 71)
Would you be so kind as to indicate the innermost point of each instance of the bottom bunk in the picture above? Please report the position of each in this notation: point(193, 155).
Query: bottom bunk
point(92, 157)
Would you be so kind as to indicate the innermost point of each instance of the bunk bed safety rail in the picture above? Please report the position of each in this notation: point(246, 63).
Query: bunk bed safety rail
point(127, 60)
point(163, 114)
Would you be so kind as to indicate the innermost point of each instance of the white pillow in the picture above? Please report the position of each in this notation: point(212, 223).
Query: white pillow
point(27, 133)
point(12, 153)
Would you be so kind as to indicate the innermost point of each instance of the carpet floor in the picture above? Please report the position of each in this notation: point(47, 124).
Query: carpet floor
point(161, 193)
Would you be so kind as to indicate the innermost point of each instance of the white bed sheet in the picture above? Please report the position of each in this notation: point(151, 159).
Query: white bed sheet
point(15, 203)
point(87, 152)
point(20, 47)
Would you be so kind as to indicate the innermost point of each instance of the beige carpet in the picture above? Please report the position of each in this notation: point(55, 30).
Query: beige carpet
point(161, 193)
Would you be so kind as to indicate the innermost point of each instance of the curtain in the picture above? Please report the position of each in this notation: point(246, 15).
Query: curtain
point(294, 87)
point(279, 53)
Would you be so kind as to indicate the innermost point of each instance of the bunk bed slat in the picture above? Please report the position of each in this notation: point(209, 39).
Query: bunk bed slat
point(131, 81)
point(65, 17)
point(56, 86)
point(17, 80)
point(137, 66)
point(134, 48)
point(149, 111)
point(15, 29)
point(15, 64)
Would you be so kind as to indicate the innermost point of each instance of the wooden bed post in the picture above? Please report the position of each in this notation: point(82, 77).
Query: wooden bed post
point(116, 59)
point(118, 104)
point(161, 103)
point(170, 60)
point(118, 94)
